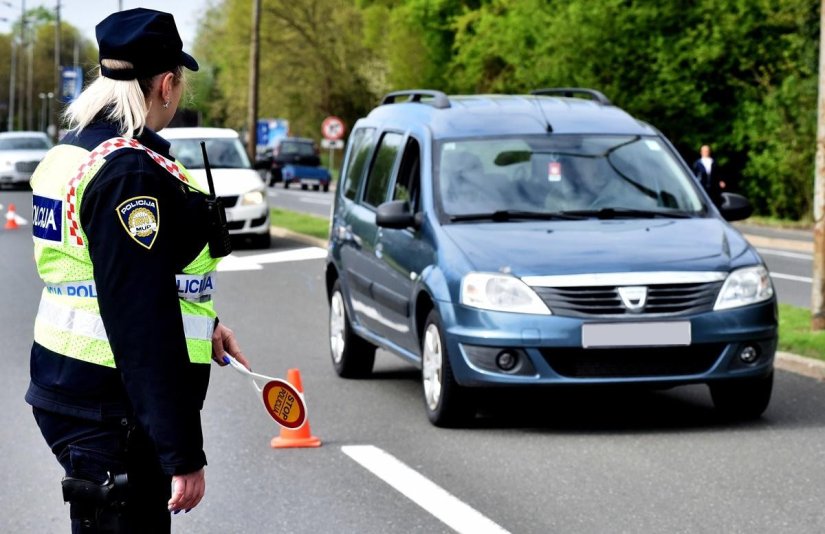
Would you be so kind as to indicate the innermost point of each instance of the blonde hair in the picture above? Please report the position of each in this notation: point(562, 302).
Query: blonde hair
point(123, 102)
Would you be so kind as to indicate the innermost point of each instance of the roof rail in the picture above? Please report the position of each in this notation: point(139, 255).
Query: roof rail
point(571, 92)
point(439, 99)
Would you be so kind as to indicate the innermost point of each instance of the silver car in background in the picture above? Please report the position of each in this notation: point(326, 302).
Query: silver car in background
point(20, 153)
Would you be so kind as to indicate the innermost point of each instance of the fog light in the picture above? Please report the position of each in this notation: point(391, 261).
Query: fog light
point(749, 354)
point(506, 360)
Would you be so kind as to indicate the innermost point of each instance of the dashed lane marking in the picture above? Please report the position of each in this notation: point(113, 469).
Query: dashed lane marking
point(444, 506)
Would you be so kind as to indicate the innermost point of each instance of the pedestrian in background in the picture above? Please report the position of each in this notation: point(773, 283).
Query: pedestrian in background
point(126, 328)
point(705, 171)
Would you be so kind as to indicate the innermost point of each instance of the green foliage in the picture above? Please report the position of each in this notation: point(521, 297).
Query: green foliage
point(741, 76)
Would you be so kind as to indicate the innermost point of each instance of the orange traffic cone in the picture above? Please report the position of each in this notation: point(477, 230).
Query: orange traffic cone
point(298, 437)
point(11, 219)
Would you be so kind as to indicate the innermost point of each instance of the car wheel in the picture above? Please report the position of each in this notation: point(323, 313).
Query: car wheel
point(304, 187)
point(447, 403)
point(326, 188)
point(743, 398)
point(352, 356)
point(316, 187)
point(262, 240)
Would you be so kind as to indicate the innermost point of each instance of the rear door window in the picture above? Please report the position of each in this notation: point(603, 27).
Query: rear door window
point(380, 174)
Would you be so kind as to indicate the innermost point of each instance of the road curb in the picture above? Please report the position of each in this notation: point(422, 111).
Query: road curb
point(800, 365)
point(283, 233)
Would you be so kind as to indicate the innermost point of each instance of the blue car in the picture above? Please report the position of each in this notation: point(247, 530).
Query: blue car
point(528, 241)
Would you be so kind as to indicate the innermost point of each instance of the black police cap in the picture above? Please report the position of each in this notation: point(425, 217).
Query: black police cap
point(146, 38)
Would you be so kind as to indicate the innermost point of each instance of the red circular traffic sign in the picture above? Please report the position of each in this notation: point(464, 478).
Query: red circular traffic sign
point(333, 128)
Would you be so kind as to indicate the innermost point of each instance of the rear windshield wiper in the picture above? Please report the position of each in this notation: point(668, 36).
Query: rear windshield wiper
point(509, 215)
point(623, 213)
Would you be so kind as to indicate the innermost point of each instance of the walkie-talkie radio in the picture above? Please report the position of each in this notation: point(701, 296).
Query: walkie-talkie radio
point(219, 243)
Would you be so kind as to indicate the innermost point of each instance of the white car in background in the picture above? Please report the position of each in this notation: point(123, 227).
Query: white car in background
point(239, 186)
point(20, 153)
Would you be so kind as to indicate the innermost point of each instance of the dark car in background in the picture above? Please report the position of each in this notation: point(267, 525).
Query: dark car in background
point(537, 241)
point(296, 160)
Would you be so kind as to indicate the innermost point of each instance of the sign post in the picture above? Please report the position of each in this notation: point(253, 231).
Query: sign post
point(333, 130)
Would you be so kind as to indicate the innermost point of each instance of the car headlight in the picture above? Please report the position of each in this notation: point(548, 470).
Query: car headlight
point(745, 286)
point(500, 292)
point(252, 198)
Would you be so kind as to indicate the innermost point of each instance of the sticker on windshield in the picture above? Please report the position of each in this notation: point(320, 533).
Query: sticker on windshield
point(449, 146)
point(554, 171)
point(653, 145)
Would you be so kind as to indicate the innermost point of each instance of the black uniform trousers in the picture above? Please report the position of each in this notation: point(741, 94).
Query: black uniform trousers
point(91, 450)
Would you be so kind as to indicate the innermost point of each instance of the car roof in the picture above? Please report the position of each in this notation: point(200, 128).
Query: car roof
point(489, 115)
point(198, 133)
point(23, 134)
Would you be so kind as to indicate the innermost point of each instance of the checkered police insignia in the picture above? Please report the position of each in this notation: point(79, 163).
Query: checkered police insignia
point(141, 219)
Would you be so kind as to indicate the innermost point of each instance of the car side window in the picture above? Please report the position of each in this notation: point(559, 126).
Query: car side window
point(379, 176)
point(409, 175)
point(361, 142)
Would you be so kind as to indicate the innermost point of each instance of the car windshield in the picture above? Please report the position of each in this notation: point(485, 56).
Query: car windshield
point(297, 148)
point(24, 143)
point(224, 153)
point(562, 176)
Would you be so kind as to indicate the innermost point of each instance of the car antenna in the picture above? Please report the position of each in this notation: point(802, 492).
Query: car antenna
point(536, 103)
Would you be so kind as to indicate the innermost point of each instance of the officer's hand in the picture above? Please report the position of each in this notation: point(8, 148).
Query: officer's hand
point(187, 491)
point(223, 342)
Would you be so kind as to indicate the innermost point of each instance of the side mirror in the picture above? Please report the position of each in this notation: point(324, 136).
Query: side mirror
point(262, 164)
point(395, 214)
point(735, 207)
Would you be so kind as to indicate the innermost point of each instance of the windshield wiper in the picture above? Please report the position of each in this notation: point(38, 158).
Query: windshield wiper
point(624, 213)
point(509, 215)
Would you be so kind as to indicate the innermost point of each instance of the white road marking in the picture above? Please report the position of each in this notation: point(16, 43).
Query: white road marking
point(253, 262)
point(309, 200)
point(792, 277)
point(786, 254)
point(423, 492)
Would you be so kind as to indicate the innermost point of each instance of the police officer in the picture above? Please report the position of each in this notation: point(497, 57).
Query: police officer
point(125, 332)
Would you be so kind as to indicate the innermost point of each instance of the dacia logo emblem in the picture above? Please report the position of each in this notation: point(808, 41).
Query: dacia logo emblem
point(634, 298)
point(140, 216)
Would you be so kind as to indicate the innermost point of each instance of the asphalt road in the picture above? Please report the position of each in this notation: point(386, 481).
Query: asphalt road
point(594, 461)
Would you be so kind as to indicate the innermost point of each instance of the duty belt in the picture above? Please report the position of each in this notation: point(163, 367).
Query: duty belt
point(191, 287)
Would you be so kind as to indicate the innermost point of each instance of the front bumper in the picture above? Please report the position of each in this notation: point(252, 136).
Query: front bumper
point(248, 219)
point(551, 352)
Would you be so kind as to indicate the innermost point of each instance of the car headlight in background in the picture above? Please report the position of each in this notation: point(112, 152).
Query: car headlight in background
point(252, 198)
point(500, 292)
point(745, 286)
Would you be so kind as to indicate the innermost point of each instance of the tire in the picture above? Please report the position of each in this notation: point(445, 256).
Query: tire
point(304, 187)
point(742, 399)
point(352, 356)
point(316, 187)
point(262, 240)
point(326, 188)
point(447, 403)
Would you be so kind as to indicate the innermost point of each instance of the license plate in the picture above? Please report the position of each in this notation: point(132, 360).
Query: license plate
point(310, 181)
point(661, 334)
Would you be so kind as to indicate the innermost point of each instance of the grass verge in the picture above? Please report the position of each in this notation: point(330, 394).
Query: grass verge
point(300, 222)
point(795, 333)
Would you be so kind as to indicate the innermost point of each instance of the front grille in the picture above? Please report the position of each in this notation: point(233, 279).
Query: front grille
point(633, 362)
point(666, 299)
point(26, 166)
point(229, 201)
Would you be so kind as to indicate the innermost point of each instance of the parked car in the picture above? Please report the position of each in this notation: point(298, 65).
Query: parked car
point(20, 153)
point(526, 241)
point(239, 186)
point(295, 160)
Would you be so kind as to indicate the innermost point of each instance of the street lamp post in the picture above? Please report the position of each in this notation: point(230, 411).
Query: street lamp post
point(45, 104)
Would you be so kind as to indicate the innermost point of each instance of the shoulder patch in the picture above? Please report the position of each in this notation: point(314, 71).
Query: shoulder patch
point(140, 217)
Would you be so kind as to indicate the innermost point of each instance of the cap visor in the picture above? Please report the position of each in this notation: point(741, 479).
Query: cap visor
point(188, 61)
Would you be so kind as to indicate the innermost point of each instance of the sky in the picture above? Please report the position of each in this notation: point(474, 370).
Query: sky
point(85, 14)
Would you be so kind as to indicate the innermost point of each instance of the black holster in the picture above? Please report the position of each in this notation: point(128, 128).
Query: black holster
point(97, 508)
